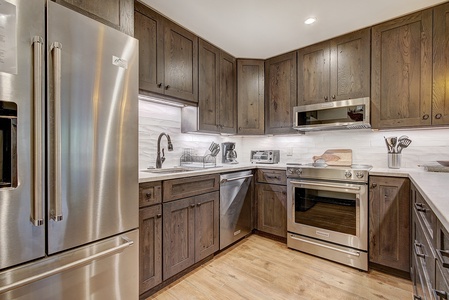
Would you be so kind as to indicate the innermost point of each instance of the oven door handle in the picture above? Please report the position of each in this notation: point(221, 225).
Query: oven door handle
point(339, 186)
point(354, 253)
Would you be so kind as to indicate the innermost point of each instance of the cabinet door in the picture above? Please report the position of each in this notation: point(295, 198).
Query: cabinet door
point(206, 225)
point(389, 222)
point(280, 89)
point(227, 104)
point(150, 266)
point(179, 251)
point(180, 62)
point(114, 13)
point(272, 209)
point(250, 96)
point(208, 86)
point(313, 74)
point(350, 66)
point(401, 74)
point(148, 30)
point(440, 101)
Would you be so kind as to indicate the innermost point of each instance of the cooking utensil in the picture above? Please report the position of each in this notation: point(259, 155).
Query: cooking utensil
point(391, 143)
point(389, 146)
point(404, 143)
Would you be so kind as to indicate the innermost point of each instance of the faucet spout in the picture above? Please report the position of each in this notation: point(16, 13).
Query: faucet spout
point(159, 159)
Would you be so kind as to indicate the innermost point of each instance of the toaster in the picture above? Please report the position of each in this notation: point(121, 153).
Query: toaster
point(264, 156)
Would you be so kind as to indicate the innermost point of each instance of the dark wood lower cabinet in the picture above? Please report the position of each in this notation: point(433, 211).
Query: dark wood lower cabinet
point(389, 222)
point(190, 231)
point(150, 225)
point(272, 209)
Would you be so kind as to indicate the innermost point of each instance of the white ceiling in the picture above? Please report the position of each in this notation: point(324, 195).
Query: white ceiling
point(266, 28)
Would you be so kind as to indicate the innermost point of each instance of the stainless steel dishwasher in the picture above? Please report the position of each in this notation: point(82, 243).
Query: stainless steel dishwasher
point(236, 197)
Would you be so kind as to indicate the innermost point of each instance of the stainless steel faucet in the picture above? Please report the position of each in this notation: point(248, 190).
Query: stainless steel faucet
point(159, 159)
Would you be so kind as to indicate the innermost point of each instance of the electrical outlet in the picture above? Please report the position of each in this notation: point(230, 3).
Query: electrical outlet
point(289, 151)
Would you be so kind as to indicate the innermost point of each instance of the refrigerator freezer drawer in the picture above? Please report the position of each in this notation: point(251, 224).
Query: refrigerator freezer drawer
point(104, 270)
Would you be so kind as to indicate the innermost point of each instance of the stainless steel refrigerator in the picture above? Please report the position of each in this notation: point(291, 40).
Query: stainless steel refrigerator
point(68, 155)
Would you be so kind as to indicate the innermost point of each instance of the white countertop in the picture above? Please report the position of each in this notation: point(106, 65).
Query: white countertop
point(433, 186)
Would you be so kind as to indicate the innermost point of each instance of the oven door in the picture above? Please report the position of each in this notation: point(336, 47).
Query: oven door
point(329, 211)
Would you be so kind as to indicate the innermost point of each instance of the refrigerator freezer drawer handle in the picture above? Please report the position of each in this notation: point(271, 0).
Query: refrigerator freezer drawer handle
point(37, 208)
point(56, 211)
point(76, 264)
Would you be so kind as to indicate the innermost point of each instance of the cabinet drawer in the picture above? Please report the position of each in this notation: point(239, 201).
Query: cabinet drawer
point(150, 193)
point(426, 216)
point(423, 249)
point(441, 287)
point(191, 186)
point(442, 250)
point(272, 176)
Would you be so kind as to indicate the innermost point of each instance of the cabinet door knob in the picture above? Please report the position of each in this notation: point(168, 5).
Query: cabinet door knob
point(158, 216)
point(438, 116)
point(199, 204)
point(333, 96)
point(425, 117)
point(192, 205)
point(148, 195)
point(167, 87)
point(159, 85)
point(325, 98)
point(373, 185)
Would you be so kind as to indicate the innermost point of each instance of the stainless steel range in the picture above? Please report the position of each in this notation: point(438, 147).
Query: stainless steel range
point(327, 212)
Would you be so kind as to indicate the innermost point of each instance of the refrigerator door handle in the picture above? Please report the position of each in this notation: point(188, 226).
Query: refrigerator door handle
point(76, 264)
point(37, 207)
point(56, 210)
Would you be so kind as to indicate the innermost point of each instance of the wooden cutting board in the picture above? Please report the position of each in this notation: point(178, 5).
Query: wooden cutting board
point(336, 157)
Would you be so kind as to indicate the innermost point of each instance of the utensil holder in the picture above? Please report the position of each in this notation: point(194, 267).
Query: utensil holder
point(394, 160)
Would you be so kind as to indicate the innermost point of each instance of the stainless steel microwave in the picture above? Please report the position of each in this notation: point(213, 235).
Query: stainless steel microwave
point(344, 114)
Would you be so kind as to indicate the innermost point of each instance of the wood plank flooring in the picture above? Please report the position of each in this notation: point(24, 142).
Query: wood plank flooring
point(260, 268)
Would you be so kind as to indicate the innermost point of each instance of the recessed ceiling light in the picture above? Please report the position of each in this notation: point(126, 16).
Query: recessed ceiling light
point(310, 21)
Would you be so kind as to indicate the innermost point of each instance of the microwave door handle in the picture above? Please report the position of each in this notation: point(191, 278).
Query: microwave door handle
point(56, 209)
point(37, 207)
point(355, 188)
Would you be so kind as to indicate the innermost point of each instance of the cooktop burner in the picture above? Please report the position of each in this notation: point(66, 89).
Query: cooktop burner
point(320, 171)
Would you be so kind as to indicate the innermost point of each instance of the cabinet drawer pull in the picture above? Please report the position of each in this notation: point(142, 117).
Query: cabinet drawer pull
point(417, 247)
point(273, 177)
point(148, 195)
point(373, 185)
point(199, 204)
point(167, 87)
point(440, 294)
point(415, 297)
point(159, 85)
point(192, 205)
point(425, 117)
point(444, 253)
point(158, 216)
point(326, 98)
point(420, 207)
point(438, 116)
point(333, 96)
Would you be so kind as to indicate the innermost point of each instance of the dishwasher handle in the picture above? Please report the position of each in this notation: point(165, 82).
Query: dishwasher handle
point(224, 180)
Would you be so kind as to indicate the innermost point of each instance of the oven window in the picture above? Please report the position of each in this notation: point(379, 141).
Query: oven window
point(334, 211)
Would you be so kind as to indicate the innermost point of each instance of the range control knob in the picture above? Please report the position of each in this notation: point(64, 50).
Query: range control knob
point(298, 171)
point(359, 175)
point(348, 174)
point(290, 171)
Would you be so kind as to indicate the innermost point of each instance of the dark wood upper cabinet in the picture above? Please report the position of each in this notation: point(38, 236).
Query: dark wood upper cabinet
point(168, 56)
point(280, 93)
point(440, 100)
point(114, 13)
point(389, 222)
point(337, 69)
point(250, 96)
point(228, 90)
point(313, 73)
point(401, 72)
point(350, 65)
point(217, 90)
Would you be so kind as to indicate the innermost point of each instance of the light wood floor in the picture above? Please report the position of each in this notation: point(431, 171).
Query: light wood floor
point(259, 268)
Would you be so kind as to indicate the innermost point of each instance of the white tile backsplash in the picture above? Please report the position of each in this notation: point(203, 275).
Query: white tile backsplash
point(367, 146)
